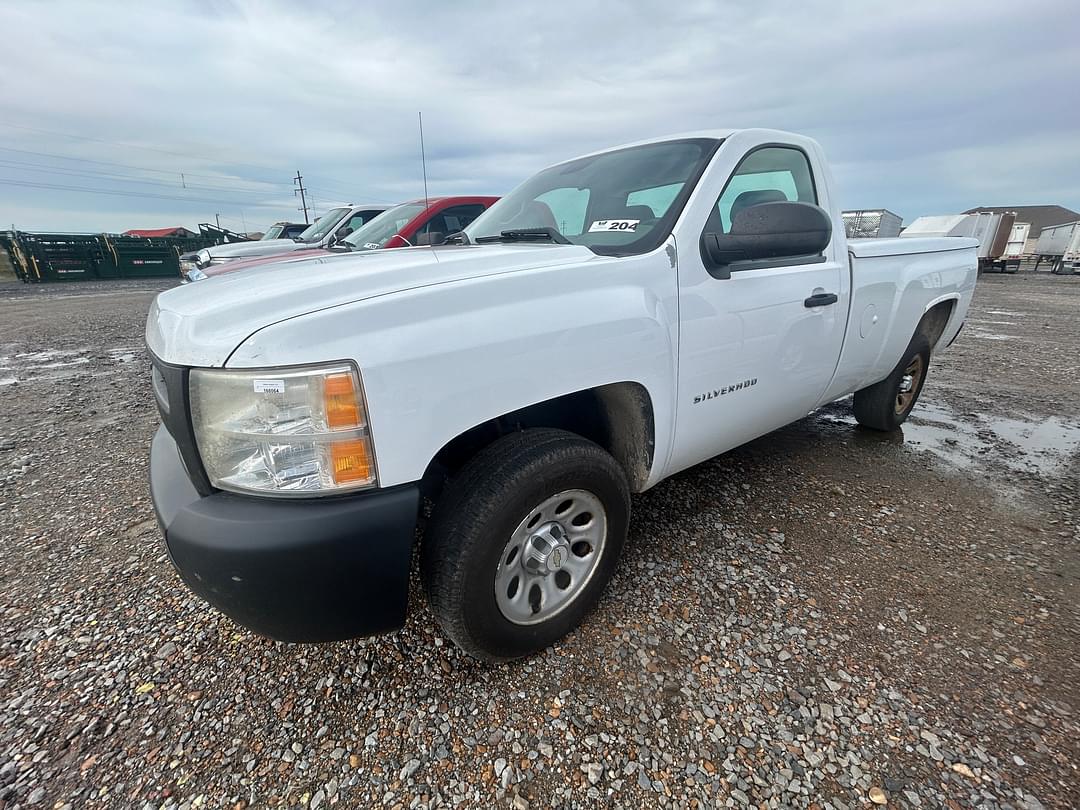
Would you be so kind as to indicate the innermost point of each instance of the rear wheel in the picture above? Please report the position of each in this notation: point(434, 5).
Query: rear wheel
point(887, 404)
point(523, 541)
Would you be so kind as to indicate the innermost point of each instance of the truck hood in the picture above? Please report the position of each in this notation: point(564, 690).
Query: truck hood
point(264, 247)
point(202, 324)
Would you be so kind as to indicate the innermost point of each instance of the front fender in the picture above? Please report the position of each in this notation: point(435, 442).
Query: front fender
point(441, 359)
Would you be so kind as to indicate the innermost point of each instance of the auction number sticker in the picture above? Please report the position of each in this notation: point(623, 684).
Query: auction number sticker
point(269, 386)
point(614, 225)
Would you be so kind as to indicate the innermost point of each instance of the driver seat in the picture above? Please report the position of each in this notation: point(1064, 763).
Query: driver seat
point(638, 212)
point(748, 199)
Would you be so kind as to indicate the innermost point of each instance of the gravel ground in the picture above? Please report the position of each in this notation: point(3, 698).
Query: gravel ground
point(823, 618)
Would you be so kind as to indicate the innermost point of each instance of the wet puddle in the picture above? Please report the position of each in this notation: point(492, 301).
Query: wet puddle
point(57, 364)
point(967, 440)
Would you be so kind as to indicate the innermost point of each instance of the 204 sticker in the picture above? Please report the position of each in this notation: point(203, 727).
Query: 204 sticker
point(626, 225)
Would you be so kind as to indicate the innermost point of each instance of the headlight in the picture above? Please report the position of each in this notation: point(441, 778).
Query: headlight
point(289, 431)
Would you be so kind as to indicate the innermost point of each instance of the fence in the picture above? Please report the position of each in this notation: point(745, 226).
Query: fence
point(44, 257)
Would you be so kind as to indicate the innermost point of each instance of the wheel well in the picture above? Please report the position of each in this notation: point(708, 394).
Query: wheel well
point(618, 417)
point(934, 321)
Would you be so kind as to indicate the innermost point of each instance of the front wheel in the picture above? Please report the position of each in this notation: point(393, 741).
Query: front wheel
point(523, 541)
point(887, 404)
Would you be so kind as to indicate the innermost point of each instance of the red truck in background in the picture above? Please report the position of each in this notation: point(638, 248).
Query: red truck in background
point(419, 222)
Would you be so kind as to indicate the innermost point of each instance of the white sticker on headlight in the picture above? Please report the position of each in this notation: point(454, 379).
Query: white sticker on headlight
point(269, 386)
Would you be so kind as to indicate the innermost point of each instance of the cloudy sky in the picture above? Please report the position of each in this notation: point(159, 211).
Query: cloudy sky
point(923, 107)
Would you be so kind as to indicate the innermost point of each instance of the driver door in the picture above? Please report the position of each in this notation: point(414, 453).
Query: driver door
point(756, 350)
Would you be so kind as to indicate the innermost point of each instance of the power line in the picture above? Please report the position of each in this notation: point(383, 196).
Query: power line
point(136, 168)
point(334, 186)
point(133, 146)
point(349, 194)
point(117, 193)
point(119, 178)
point(337, 188)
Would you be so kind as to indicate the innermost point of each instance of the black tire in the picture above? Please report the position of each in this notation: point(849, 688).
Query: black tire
point(477, 514)
point(878, 406)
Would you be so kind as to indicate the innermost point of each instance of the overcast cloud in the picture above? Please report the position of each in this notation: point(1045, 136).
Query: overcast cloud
point(923, 107)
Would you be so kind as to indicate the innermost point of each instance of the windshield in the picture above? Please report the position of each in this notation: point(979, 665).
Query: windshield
point(375, 233)
point(615, 203)
point(323, 225)
point(274, 232)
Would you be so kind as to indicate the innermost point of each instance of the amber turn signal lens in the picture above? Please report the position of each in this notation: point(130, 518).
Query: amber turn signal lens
point(351, 461)
point(341, 401)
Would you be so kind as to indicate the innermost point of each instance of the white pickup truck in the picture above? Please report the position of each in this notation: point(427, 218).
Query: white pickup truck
point(614, 320)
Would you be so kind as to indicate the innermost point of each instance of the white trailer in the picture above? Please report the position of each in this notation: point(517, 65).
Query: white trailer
point(993, 230)
point(1015, 248)
point(1060, 245)
point(1018, 237)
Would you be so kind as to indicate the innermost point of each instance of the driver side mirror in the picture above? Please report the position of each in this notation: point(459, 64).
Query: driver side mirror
point(767, 231)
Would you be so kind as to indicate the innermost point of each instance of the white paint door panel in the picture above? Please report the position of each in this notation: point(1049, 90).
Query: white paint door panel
point(753, 357)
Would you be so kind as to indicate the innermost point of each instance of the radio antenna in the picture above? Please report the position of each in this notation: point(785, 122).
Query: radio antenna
point(423, 158)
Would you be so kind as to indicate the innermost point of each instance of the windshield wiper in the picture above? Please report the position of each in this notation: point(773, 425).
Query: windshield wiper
point(527, 235)
point(456, 238)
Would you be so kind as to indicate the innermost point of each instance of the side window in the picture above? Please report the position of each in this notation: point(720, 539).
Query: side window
point(452, 219)
point(770, 174)
point(568, 207)
point(353, 222)
point(358, 219)
point(459, 216)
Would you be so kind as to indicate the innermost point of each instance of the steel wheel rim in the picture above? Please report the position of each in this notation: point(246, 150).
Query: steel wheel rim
point(909, 384)
point(550, 557)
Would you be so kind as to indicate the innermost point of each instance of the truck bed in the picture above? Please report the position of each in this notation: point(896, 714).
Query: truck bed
point(894, 282)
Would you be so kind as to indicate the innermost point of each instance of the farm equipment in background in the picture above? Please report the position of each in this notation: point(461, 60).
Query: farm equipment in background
point(50, 257)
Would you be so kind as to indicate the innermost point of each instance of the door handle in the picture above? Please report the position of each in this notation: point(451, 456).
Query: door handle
point(820, 300)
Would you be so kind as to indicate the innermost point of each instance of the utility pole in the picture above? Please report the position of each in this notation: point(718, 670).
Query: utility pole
point(217, 219)
point(299, 180)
